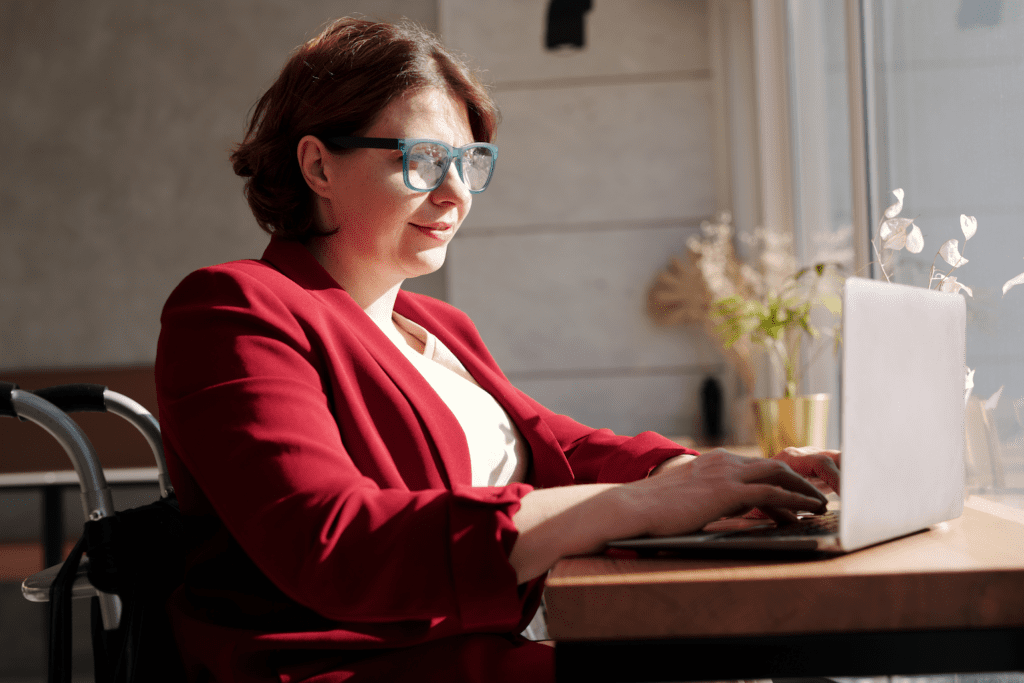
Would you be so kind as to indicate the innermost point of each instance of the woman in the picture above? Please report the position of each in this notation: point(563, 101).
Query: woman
point(367, 496)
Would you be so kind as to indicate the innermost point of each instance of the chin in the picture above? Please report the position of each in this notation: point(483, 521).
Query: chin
point(430, 261)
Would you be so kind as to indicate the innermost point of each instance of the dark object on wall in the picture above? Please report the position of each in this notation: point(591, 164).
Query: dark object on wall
point(711, 409)
point(565, 23)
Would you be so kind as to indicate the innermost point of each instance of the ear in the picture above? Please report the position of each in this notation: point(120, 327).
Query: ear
point(313, 156)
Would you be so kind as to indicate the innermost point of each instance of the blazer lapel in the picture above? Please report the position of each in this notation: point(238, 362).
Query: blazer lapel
point(439, 423)
point(549, 465)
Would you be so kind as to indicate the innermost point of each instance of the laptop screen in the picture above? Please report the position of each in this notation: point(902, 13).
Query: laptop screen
point(903, 410)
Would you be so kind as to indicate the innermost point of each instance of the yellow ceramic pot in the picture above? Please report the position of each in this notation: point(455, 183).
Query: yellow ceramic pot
point(799, 421)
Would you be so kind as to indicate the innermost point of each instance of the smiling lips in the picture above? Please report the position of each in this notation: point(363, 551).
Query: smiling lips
point(439, 231)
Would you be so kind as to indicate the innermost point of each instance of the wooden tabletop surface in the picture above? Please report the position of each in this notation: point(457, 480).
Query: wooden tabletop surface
point(966, 573)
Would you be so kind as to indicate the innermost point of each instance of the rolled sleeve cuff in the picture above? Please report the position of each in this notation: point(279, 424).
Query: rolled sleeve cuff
point(482, 536)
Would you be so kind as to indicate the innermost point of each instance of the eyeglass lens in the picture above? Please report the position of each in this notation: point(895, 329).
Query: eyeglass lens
point(427, 161)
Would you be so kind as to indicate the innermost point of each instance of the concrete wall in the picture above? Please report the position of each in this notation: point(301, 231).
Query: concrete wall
point(605, 171)
point(116, 122)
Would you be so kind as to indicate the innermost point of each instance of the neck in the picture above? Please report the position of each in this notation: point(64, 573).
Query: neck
point(375, 295)
point(382, 308)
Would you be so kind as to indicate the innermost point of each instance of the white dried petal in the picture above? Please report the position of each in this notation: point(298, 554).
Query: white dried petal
point(950, 284)
point(950, 253)
point(903, 223)
point(969, 224)
point(886, 229)
point(993, 401)
point(1019, 280)
point(915, 240)
point(968, 384)
point(895, 209)
point(896, 242)
point(893, 226)
point(749, 272)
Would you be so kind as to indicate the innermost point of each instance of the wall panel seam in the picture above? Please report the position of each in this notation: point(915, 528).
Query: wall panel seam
point(683, 76)
point(608, 373)
point(691, 223)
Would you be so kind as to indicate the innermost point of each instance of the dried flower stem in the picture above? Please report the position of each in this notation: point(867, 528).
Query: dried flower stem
point(881, 264)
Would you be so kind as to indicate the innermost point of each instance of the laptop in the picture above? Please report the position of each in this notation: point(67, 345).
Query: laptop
point(902, 430)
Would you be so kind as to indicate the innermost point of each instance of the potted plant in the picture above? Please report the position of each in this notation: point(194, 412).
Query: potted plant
point(780, 322)
point(747, 309)
point(771, 307)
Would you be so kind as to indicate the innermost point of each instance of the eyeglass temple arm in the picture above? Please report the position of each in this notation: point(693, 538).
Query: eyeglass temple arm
point(363, 143)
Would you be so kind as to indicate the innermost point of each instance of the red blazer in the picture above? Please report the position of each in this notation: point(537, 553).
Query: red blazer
point(326, 487)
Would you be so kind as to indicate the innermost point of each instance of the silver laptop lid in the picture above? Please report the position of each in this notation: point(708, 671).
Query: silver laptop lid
point(903, 410)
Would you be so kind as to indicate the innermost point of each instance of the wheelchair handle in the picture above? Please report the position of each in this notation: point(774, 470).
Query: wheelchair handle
point(6, 406)
point(96, 499)
point(98, 398)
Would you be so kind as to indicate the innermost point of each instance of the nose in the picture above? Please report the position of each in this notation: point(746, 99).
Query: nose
point(453, 190)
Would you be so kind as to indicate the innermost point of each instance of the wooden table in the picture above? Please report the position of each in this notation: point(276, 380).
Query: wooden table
point(946, 600)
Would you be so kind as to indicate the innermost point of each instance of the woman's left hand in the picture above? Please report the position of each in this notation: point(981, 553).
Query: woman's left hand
point(818, 465)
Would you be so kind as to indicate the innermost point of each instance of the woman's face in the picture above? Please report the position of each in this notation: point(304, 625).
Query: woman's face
point(386, 231)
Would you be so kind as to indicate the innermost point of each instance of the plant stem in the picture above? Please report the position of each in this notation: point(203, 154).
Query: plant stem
point(881, 264)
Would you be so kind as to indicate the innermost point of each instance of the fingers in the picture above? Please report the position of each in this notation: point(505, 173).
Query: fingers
point(810, 461)
point(771, 497)
point(720, 484)
point(781, 516)
point(828, 471)
point(781, 506)
point(780, 475)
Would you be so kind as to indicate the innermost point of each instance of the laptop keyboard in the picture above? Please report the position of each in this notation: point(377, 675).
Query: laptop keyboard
point(815, 525)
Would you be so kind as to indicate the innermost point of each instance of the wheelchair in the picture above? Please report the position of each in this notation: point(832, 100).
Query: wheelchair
point(126, 563)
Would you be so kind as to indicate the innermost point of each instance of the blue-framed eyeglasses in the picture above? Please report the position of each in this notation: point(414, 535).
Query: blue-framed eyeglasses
point(425, 162)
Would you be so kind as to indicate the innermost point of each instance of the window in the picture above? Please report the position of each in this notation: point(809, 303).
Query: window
point(937, 88)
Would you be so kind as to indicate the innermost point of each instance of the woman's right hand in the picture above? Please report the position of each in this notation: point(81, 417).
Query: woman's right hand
point(678, 499)
point(684, 498)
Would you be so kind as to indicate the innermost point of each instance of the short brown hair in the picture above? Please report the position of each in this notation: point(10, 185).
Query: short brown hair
point(339, 82)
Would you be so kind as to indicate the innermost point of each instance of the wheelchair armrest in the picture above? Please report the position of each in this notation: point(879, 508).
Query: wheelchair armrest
point(36, 588)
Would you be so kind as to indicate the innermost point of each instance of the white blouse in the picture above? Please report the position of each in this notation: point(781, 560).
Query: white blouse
point(498, 452)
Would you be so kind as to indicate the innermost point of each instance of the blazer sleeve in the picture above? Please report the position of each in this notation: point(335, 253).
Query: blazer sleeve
point(244, 404)
point(602, 456)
